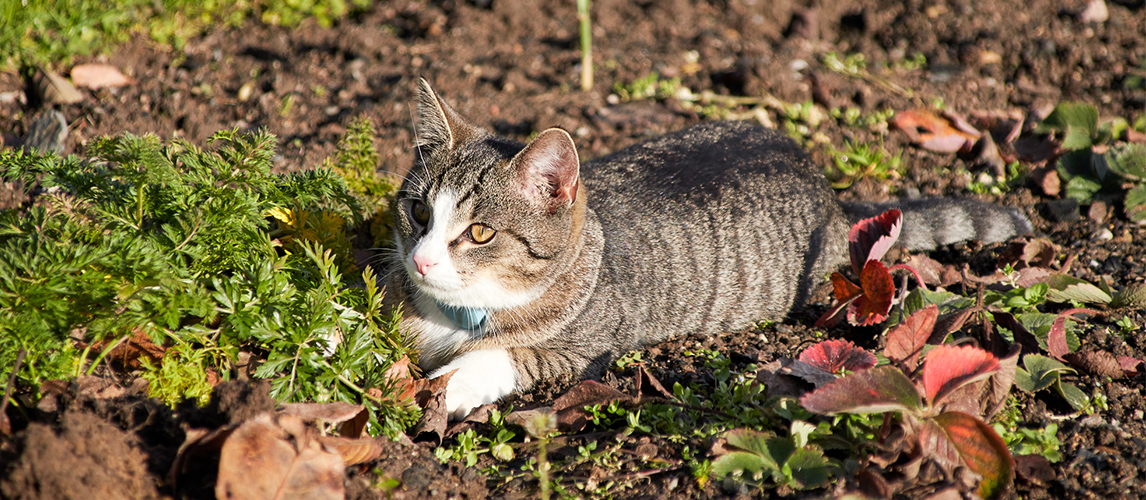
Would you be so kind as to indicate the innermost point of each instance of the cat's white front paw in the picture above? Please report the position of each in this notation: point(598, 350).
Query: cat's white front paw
point(482, 377)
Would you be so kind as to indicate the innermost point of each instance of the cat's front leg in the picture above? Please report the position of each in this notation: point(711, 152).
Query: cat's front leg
point(483, 376)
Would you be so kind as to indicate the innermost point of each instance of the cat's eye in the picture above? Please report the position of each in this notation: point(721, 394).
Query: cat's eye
point(481, 233)
point(421, 213)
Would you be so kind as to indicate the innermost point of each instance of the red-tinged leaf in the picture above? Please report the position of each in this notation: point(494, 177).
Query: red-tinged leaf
point(844, 289)
point(835, 355)
point(948, 368)
point(935, 445)
point(1056, 338)
point(870, 238)
point(905, 341)
point(982, 450)
point(878, 290)
point(880, 389)
point(1132, 366)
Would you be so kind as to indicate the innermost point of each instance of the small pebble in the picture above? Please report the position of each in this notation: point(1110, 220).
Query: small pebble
point(1103, 234)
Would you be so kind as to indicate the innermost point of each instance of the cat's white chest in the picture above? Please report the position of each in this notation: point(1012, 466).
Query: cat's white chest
point(481, 376)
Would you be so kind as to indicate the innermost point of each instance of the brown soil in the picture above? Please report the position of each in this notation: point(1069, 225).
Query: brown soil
point(513, 66)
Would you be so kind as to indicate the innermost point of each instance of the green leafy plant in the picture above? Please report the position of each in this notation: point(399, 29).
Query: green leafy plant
point(45, 32)
point(862, 161)
point(762, 459)
point(176, 243)
point(1116, 172)
point(650, 86)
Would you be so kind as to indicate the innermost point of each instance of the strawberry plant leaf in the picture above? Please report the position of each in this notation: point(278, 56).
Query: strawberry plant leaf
point(1134, 295)
point(740, 461)
point(1064, 288)
point(1078, 122)
point(844, 289)
point(1135, 204)
point(1073, 395)
point(948, 368)
point(835, 355)
point(869, 239)
point(1127, 160)
point(880, 389)
point(1041, 372)
point(982, 450)
point(1057, 344)
point(878, 291)
point(905, 341)
point(807, 468)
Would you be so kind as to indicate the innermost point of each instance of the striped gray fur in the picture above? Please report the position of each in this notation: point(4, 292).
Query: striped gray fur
point(703, 230)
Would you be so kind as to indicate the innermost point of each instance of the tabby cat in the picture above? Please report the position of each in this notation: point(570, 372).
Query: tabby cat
point(518, 263)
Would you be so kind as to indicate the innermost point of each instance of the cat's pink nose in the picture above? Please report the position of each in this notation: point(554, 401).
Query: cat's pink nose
point(423, 264)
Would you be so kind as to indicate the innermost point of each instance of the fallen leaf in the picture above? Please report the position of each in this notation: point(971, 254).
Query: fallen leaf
point(96, 76)
point(53, 88)
point(1131, 366)
point(570, 407)
point(538, 422)
point(128, 352)
point(941, 134)
point(353, 451)
point(1029, 252)
point(334, 413)
point(1099, 363)
point(258, 461)
point(431, 427)
point(648, 385)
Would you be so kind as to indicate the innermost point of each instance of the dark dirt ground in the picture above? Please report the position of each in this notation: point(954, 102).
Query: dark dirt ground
point(513, 65)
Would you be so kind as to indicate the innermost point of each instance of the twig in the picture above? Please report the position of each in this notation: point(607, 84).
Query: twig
point(11, 382)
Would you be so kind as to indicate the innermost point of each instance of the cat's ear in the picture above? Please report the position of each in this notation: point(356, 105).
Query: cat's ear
point(437, 126)
point(548, 169)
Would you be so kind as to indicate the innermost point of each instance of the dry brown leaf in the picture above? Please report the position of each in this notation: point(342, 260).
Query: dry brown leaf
point(946, 133)
point(54, 88)
point(570, 407)
point(96, 76)
point(353, 451)
point(648, 385)
point(129, 352)
point(258, 461)
point(1099, 363)
point(431, 427)
point(334, 413)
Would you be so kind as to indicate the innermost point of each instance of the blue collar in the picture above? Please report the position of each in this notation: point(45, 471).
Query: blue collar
point(466, 318)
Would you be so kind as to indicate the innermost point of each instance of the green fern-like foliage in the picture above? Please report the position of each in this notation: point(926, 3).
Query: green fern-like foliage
point(174, 241)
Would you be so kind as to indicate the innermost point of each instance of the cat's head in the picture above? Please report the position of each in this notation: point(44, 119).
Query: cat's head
point(485, 222)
